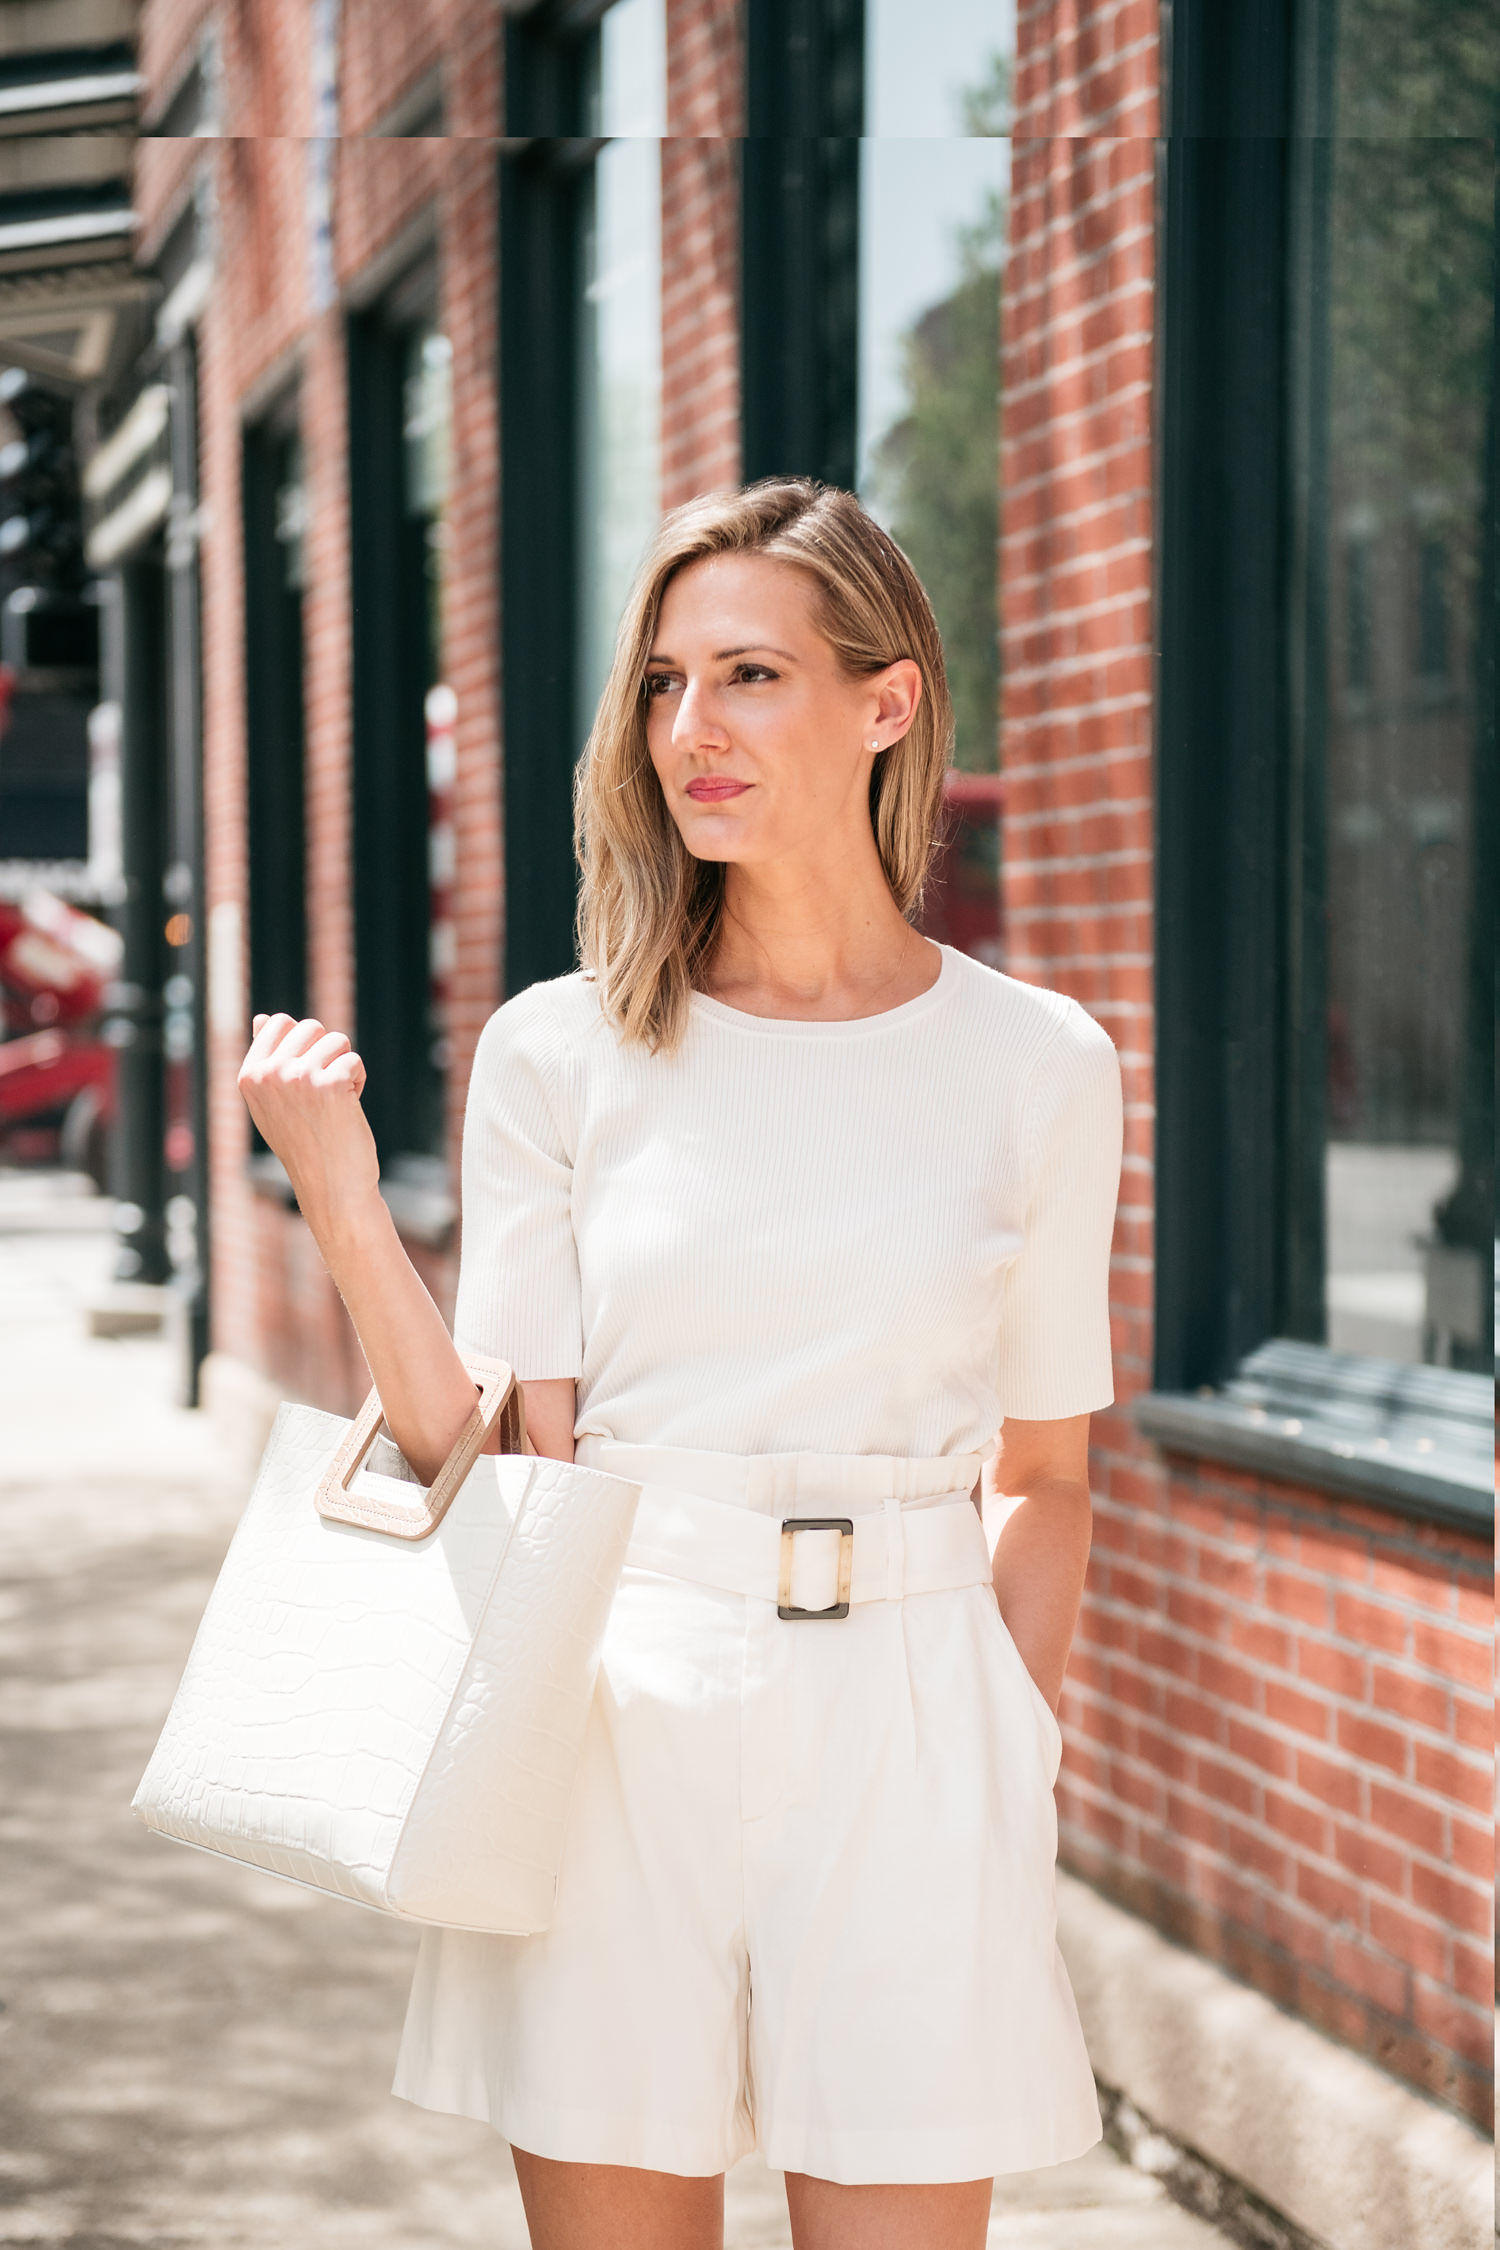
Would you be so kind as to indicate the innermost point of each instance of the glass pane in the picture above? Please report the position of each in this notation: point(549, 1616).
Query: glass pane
point(938, 73)
point(934, 169)
point(620, 438)
point(1399, 391)
point(426, 434)
point(290, 513)
point(633, 69)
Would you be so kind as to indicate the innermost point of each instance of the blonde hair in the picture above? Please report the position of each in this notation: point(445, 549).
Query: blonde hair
point(648, 912)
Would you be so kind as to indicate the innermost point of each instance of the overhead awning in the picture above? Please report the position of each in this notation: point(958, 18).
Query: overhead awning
point(47, 240)
point(66, 105)
point(67, 230)
point(83, 89)
point(67, 271)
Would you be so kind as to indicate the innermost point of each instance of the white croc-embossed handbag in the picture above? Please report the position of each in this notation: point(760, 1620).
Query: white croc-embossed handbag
point(387, 1695)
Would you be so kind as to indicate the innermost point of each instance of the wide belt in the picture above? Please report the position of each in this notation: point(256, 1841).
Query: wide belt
point(813, 1565)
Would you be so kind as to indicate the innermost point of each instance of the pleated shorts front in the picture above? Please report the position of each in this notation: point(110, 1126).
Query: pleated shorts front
point(806, 1906)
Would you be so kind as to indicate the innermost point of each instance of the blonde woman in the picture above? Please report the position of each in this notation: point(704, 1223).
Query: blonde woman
point(782, 1210)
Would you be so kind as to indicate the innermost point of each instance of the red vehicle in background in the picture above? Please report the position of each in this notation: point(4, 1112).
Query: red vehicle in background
point(57, 1076)
point(962, 905)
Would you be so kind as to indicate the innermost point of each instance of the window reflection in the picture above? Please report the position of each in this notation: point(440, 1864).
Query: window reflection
point(934, 168)
point(1402, 353)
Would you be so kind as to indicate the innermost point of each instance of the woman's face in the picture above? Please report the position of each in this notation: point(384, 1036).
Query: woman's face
point(761, 743)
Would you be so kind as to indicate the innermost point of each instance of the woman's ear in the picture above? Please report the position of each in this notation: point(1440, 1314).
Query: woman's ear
point(897, 698)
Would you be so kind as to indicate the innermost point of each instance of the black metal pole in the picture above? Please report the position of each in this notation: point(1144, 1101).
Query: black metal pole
point(133, 1004)
point(186, 1027)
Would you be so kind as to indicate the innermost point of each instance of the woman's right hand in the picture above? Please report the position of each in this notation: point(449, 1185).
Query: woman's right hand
point(302, 1084)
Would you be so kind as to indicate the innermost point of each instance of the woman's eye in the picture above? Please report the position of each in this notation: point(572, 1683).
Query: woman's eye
point(754, 672)
point(657, 683)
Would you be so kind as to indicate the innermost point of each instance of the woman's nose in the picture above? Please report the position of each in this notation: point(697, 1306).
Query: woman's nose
point(697, 719)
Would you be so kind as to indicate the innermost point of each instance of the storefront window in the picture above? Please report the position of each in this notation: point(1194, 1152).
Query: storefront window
point(1396, 357)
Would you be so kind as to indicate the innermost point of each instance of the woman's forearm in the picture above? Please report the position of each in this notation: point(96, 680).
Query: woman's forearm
point(1040, 1560)
point(302, 1085)
point(413, 1361)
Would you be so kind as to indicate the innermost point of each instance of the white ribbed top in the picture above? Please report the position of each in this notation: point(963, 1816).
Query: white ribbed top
point(869, 1237)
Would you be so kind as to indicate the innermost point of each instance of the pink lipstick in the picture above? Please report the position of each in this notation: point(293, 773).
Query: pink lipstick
point(708, 791)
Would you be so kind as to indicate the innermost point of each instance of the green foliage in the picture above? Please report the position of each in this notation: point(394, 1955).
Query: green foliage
point(1413, 239)
point(1411, 311)
point(937, 480)
point(986, 110)
point(1418, 69)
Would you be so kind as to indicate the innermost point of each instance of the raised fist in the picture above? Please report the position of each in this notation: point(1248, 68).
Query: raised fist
point(302, 1084)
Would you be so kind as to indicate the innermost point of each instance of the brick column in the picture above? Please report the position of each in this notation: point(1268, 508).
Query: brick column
point(700, 249)
point(1076, 646)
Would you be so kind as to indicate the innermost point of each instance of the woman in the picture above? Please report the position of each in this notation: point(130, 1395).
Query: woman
point(781, 1207)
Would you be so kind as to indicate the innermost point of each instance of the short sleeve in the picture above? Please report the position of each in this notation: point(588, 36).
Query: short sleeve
point(518, 1294)
point(1054, 1342)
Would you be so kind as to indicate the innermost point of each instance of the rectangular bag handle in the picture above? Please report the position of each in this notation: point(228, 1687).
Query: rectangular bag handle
point(500, 1404)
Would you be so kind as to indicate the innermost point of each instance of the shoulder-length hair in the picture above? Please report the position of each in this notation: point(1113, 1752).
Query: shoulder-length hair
point(648, 912)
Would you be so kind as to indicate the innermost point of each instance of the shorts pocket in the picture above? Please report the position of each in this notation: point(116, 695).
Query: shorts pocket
point(1047, 1718)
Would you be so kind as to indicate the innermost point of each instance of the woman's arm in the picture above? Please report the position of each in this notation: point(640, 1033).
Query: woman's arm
point(1043, 1549)
point(551, 1411)
point(302, 1085)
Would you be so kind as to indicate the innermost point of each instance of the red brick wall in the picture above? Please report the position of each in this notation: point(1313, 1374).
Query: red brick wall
point(700, 432)
point(1278, 1709)
point(1279, 1728)
point(386, 48)
point(165, 33)
point(1089, 67)
point(700, 249)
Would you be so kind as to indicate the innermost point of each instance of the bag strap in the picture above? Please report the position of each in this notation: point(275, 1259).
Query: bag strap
point(500, 1405)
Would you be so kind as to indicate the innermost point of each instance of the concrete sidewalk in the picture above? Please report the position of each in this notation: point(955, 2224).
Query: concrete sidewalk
point(191, 2054)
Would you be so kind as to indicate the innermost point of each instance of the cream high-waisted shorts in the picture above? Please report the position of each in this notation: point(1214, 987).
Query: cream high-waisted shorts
point(806, 1903)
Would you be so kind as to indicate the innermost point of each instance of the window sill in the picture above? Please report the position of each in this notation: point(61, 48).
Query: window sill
point(1419, 1440)
point(413, 1187)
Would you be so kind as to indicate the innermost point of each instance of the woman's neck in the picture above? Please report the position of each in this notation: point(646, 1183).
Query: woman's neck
point(791, 946)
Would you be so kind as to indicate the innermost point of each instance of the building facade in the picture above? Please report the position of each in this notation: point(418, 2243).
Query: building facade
point(452, 300)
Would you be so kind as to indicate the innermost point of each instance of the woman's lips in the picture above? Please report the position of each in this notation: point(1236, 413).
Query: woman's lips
point(708, 792)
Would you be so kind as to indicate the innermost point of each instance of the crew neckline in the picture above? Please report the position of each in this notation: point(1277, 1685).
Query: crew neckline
point(802, 1027)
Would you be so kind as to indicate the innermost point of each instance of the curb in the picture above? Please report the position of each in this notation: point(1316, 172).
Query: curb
point(1349, 2155)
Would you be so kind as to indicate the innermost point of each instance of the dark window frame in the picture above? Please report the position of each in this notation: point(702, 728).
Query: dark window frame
point(185, 826)
point(1240, 1374)
point(799, 236)
point(542, 190)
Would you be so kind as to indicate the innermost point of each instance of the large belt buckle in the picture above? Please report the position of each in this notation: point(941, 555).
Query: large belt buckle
point(790, 1526)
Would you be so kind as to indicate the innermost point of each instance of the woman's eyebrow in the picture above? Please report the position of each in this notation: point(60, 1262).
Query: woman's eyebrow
point(722, 655)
